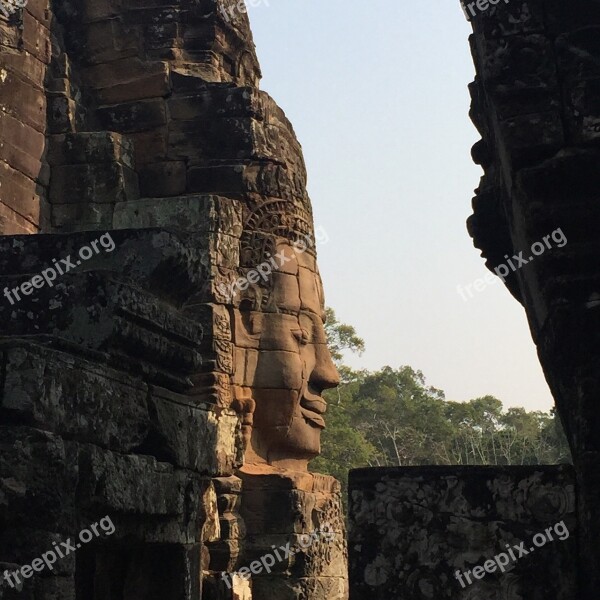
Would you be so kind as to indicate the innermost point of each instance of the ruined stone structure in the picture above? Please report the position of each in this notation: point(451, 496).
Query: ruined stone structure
point(536, 103)
point(149, 371)
point(427, 532)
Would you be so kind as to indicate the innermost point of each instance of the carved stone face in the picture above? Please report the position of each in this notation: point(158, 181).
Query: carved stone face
point(283, 363)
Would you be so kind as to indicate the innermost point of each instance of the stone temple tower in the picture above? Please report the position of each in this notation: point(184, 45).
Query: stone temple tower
point(162, 346)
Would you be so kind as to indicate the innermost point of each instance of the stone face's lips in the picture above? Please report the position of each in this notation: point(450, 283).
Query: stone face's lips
point(312, 407)
point(313, 418)
point(314, 403)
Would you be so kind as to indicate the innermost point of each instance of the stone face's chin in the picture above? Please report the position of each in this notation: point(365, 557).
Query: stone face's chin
point(302, 440)
point(287, 428)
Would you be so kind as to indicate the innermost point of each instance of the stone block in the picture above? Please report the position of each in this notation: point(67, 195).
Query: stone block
point(100, 315)
point(218, 179)
point(23, 545)
point(186, 79)
point(129, 484)
point(198, 438)
point(163, 178)
point(20, 193)
point(109, 40)
point(40, 11)
point(140, 255)
point(22, 148)
point(240, 177)
point(99, 183)
point(62, 114)
point(222, 138)
point(82, 217)
point(94, 147)
point(217, 100)
point(26, 66)
point(101, 10)
point(182, 213)
point(311, 553)
point(128, 79)
point(286, 588)
point(114, 410)
point(38, 479)
point(74, 397)
point(36, 38)
point(289, 507)
point(531, 138)
point(23, 101)
point(11, 223)
point(134, 116)
point(413, 528)
point(149, 146)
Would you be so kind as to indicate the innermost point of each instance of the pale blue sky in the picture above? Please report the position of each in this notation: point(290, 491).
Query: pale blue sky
point(377, 93)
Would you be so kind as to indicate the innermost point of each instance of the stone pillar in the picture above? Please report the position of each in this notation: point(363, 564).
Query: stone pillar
point(303, 510)
point(536, 105)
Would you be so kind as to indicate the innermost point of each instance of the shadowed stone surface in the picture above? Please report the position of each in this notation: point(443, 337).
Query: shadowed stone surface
point(411, 529)
point(536, 104)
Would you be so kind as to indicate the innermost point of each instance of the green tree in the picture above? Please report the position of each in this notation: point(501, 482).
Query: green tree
point(402, 417)
point(343, 446)
point(342, 338)
point(391, 417)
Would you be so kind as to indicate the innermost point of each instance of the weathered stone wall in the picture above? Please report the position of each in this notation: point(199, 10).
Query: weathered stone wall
point(105, 410)
point(411, 529)
point(164, 85)
point(104, 101)
point(536, 103)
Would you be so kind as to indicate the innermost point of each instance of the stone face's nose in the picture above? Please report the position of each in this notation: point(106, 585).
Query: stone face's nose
point(325, 374)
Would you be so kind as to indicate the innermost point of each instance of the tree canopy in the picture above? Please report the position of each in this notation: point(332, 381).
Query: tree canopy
point(392, 418)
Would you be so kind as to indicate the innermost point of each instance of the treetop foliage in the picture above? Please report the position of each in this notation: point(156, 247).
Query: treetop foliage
point(392, 418)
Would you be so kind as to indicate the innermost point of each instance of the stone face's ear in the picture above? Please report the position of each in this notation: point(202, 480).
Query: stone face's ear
point(244, 405)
